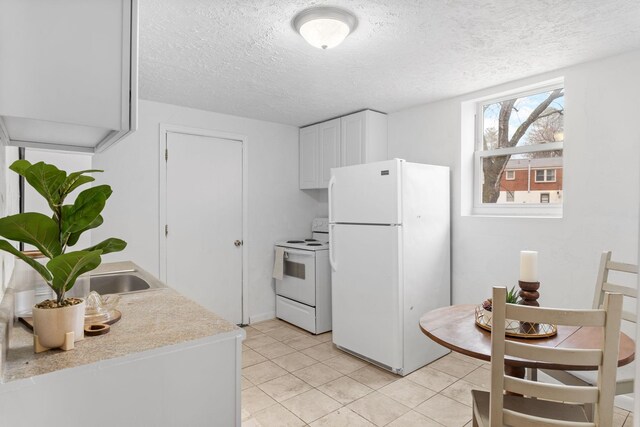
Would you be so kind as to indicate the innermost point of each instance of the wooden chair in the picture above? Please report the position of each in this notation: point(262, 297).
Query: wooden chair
point(625, 374)
point(549, 404)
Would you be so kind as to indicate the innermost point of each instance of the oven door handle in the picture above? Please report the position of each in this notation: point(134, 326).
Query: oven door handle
point(297, 252)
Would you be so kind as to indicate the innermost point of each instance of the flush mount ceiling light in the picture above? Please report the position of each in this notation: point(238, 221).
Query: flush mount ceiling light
point(324, 27)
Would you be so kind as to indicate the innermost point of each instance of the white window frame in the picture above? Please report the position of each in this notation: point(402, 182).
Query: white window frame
point(513, 175)
point(548, 195)
point(511, 209)
point(546, 175)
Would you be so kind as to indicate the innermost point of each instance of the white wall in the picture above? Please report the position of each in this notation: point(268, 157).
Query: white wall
point(600, 186)
point(277, 208)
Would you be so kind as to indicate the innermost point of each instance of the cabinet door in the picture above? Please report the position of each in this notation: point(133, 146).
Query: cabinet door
point(329, 150)
point(309, 157)
point(68, 75)
point(353, 128)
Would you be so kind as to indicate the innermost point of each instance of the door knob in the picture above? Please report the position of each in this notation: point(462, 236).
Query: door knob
point(238, 243)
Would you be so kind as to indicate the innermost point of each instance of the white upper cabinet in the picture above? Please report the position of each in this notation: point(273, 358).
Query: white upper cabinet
point(309, 157)
point(354, 139)
point(329, 145)
point(364, 138)
point(68, 73)
point(319, 152)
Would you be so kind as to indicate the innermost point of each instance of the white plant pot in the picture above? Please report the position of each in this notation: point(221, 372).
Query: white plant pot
point(51, 326)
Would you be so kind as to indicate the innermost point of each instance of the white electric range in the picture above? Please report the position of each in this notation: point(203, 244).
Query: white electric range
point(303, 296)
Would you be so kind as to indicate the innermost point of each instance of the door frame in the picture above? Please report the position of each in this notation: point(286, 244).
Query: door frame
point(165, 129)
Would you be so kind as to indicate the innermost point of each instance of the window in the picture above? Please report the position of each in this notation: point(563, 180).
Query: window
point(521, 131)
point(546, 175)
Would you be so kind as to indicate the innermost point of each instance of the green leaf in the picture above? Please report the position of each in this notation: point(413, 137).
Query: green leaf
point(67, 267)
point(76, 179)
point(85, 210)
point(35, 229)
point(20, 166)
point(74, 237)
point(110, 245)
point(8, 247)
point(46, 179)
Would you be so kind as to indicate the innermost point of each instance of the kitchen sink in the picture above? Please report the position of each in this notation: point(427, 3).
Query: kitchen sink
point(118, 283)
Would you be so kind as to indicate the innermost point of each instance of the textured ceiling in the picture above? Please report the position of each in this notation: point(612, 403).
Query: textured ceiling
point(243, 57)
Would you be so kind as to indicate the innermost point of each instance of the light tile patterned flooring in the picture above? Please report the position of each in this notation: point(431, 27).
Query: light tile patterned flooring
point(292, 378)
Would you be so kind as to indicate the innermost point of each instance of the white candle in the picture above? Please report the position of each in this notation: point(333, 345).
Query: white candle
point(528, 266)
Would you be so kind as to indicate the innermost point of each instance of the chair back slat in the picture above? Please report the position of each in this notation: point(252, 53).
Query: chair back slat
point(624, 290)
point(567, 317)
point(603, 285)
point(513, 418)
point(629, 316)
point(623, 267)
point(608, 319)
point(560, 393)
point(562, 356)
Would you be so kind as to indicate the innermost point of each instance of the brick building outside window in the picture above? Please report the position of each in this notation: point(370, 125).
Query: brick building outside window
point(537, 180)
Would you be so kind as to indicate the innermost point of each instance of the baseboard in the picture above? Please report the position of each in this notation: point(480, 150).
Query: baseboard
point(261, 317)
point(624, 401)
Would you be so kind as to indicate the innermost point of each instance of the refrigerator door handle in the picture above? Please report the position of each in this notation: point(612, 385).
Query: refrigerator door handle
point(332, 181)
point(334, 265)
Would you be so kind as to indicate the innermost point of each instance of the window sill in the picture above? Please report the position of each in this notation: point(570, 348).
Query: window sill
point(518, 211)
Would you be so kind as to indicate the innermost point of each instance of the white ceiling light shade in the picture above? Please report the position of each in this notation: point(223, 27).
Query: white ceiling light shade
point(324, 27)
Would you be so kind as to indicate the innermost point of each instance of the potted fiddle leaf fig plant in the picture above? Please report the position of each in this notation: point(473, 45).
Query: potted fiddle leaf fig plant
point(59, 322)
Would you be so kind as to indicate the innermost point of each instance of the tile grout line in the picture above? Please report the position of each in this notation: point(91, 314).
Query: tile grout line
point(342, 376)
point(345, 405)
point(304, 334)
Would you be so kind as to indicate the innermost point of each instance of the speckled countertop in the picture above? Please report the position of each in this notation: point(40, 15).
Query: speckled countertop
point(150, 320)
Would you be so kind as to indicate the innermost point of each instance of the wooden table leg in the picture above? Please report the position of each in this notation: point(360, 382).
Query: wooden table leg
point(532, 374)
point(514, 371)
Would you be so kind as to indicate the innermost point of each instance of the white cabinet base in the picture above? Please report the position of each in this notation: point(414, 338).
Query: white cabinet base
point(191, 384)
point(303, 316)
point(295, 313)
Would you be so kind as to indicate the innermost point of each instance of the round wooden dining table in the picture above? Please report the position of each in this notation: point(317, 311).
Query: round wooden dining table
point(454, 328)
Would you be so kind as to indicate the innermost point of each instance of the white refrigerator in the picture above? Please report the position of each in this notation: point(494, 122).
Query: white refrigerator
point(389, 250)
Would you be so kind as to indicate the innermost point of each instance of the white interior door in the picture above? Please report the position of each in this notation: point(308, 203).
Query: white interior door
point(204, 221)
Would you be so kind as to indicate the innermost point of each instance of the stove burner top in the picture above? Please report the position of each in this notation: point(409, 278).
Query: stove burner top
point(295, 241)
point(314, 244)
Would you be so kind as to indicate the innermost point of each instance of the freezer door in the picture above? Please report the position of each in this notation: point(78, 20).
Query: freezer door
point(366, 194)
point(365, 291)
